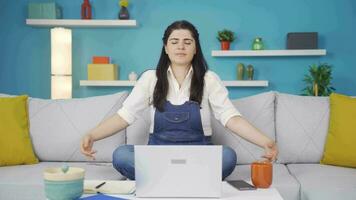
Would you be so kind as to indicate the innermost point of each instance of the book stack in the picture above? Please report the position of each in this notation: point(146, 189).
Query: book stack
point(101, 69)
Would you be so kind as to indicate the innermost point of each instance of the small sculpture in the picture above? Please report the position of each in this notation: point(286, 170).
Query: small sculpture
point(240, 71)
point(257, 44)
point(132, 76)
point(250, 72)
point(124, 12)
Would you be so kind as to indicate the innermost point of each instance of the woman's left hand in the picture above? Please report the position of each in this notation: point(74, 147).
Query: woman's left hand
point(271, 151)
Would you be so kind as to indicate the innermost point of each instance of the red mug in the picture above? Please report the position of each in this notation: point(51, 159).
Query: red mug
point(261, 174)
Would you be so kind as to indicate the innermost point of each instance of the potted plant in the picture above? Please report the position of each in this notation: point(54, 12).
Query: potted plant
point(318, 80)
point(225, 37)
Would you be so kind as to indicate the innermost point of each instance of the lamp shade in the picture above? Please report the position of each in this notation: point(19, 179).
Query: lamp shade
point(61, 87)
point(61, 63)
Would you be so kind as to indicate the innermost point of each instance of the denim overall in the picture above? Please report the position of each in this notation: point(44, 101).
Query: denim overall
point(176, 125)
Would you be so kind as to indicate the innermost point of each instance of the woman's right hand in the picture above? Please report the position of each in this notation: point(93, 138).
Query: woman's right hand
point(86, 147)
point(105, 129)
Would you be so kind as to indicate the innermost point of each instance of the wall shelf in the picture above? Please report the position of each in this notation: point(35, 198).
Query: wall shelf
point(107, 83)
point(246, 83)
point(98, 23)
point(122, 83)
point(286, 52)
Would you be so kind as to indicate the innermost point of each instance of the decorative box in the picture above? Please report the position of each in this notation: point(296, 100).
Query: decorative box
point(302, 40)
point(44, 11)
point(101, 60)
point(102, 72)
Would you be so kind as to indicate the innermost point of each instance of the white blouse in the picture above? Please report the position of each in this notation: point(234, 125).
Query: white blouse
point(215, 98)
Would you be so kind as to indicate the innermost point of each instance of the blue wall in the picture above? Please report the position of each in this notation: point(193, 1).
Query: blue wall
point(25, 51)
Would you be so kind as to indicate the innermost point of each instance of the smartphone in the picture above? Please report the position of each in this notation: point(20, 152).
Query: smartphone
point(241, 185)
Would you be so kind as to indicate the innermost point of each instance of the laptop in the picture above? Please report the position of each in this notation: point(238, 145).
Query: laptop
point(178, 170)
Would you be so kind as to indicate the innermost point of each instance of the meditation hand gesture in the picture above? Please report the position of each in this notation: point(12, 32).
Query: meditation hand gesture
point(86, 146)
point(271, 151)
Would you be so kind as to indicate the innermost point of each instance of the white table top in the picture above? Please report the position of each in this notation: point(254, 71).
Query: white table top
point(228, 193)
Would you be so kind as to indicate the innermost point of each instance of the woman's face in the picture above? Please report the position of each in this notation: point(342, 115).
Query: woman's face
point(180, 47)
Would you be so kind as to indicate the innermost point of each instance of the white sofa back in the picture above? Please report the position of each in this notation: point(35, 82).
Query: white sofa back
point(138, 132)
point(299, 124)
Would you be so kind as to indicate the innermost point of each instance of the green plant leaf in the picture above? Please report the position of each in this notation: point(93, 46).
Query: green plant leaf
point(321, 75)
point(226, 35)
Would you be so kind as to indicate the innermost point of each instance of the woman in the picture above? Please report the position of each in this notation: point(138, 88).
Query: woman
point(181, 93)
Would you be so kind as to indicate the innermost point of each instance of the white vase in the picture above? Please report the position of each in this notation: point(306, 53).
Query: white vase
point(132, 76)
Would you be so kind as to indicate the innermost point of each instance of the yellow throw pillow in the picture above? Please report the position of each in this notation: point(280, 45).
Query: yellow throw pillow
point(15, 142)
point(340, 147)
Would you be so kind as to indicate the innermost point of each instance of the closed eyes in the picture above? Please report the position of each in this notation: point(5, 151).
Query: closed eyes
point(176, 41)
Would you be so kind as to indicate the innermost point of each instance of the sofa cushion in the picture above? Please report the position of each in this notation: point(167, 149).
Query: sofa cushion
point(62, 124)
point(285, 183)
point(28, 179)
point(15, 141)
point(325, 182)
point(138, 132)
point(301, 127)
point(340, 144)
point(259, 111)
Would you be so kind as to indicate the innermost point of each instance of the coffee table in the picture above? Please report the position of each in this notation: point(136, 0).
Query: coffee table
point(228, 193)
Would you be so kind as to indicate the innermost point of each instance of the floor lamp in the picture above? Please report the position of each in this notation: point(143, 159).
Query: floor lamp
point(61, 63)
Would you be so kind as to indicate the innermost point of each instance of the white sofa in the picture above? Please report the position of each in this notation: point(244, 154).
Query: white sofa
point(299, 125)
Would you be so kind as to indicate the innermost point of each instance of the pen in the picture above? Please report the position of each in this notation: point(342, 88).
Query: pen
point(98, 186)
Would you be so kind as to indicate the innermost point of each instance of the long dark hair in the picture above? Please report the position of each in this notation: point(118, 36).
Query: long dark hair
point(198, 63)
